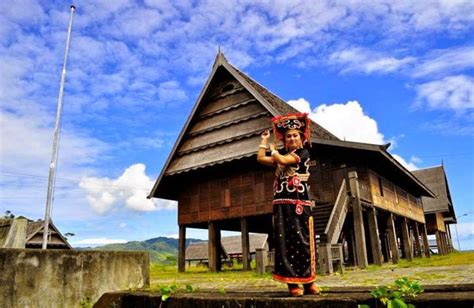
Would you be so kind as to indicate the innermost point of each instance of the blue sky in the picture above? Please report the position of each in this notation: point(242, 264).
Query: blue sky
point(369, 71)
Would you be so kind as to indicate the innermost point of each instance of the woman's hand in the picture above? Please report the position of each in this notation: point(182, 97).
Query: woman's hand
point(271, 146)
point(266, 134)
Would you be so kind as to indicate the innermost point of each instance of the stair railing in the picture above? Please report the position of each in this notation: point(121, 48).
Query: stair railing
point(338, 215)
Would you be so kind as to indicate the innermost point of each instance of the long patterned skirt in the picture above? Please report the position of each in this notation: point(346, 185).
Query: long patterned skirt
point(295, 249)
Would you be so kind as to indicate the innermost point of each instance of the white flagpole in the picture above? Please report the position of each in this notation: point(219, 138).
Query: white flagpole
point(54, 156)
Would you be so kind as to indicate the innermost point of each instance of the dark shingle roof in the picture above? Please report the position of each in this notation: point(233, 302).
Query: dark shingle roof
point(317, 131)
point(230, 244)
point(435, 179)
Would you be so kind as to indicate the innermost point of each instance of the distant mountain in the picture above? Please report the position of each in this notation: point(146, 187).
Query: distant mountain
point(162, 250)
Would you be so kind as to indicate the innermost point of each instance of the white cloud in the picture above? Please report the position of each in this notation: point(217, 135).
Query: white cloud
point(465, 230)
point(130, 190)
point(410, 165)
point(346, 121)
point(366, 61)
point(98, 241)
point(300, 104)
point(446, 61)
point(452, 93)
point(349, 122)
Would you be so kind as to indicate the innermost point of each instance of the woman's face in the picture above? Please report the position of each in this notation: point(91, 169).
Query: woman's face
point(293, 139)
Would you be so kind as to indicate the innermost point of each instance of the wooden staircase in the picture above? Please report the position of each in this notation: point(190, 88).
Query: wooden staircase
point(329, 218)
point(321, 214)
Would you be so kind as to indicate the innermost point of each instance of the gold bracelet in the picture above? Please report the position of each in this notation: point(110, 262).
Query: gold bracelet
point(262, 146)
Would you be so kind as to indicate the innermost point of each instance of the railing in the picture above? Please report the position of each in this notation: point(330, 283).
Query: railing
point(338, 215)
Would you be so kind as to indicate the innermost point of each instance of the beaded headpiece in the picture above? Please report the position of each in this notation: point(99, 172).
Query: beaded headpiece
point(296, 121)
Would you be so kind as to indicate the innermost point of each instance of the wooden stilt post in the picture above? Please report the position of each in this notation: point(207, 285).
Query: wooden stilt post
point(445, 241)
point(182, 249)
point(449, 238)
point(418, 250)
point(406, 243)
point(426, 244)
point(392, 238)
point(245, 244)
point(219, 251)
point(374, 237)
point(361, 250)
point(439, 243)
point(212, 247)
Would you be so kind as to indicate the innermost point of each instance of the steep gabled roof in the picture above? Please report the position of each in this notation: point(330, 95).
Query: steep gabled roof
point(187, 155)
point(436, 180)
point(230, 245)
point(381, 154)
point(317, 131)
point(34, 235)
point(200, 251)
point(198, 155)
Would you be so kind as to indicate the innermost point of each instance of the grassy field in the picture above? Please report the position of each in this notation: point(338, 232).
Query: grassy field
point(452, 268)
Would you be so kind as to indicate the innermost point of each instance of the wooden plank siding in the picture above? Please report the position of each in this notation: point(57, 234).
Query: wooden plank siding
point(242, 129)
point(435, 222)
point(229, 194)
point(241, 112)
point(388, 196)
point(228, 124)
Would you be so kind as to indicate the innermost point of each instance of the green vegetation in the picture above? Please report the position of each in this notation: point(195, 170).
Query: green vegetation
point(234, 278)
point(163, 250)
point(199, 275)
point(86, 302)
point(395, 295)
point(455, 258)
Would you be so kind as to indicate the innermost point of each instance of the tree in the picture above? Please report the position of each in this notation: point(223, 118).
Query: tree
point(9, 214)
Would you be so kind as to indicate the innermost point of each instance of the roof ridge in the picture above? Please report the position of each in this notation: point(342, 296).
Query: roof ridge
point(281, 104)
point(426, 168)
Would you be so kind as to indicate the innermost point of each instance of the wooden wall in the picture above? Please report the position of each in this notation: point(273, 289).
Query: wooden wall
point(435, 222)
point(234, 193)
point(245, 188)
point(388, 196)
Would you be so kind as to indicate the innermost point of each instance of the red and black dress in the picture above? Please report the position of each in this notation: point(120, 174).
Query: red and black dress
point(293, 222)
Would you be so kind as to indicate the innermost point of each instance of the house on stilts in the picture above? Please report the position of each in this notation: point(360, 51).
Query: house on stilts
point(439, 211)
point(365, 200)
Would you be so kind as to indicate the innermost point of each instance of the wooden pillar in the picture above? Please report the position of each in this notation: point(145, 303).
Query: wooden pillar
point(325, 259)
point(445, 242)
point(418, 250)
point(449, 238)
point(375, 244)
point(426, 244)
point(392, 238)
point(245, 244)
point(406, 243)
point(439, 243)
point(361, 251)
point(182, 249)
point(214, 249)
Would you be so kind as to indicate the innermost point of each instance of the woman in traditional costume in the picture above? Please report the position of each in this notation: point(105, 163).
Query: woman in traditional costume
point(292, 218)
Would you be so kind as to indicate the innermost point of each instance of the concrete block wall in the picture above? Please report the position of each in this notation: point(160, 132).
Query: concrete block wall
point(64, 278)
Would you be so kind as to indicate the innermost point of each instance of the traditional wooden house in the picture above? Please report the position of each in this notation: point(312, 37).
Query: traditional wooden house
point(231, 248)
point(439, 211)
point(24, 233)
point(364, 198)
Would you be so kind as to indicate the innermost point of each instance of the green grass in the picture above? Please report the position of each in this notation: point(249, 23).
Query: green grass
point(229, 278)
point(455, 258)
